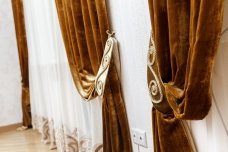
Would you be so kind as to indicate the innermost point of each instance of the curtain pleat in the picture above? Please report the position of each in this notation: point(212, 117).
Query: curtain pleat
point(84, 24)
point(186, 35)
point(18, 13)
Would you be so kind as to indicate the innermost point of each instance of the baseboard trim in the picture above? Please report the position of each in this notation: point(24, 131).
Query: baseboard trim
point(10, 127)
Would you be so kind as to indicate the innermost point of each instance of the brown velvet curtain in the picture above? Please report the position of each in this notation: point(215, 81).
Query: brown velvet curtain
point(186, 35)
point(84, 24)
point(18, 13)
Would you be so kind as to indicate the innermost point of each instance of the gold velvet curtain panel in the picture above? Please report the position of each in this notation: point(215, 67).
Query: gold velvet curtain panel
point(84, 24)
point(182, 50)
point(18, 13)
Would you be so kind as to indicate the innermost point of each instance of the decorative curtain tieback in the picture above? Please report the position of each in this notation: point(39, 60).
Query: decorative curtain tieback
point(101, 77)
point(155, 85)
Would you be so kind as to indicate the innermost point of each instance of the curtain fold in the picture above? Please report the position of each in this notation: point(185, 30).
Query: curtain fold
point(186, 36)
point(19, 21)
point(84, 24)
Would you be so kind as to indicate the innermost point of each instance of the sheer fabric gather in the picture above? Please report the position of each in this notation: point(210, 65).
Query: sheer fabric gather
point(58, 111)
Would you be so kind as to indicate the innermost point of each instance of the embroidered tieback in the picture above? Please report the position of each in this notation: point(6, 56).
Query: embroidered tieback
point(155, 85)
point(100, 81)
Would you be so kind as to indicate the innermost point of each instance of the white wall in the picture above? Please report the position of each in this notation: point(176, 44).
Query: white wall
point(131, 22)
point(10, 89)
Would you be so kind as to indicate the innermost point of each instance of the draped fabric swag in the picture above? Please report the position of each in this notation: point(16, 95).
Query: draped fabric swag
point(84, 25)
point(186, 37)
point(18, 13)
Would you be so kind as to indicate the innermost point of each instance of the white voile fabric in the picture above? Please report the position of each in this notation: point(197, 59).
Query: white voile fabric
point(211, 134)
point(58, 112)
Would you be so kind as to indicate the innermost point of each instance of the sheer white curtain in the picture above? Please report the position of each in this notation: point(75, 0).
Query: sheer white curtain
point(58, 112)
point(211, 134)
